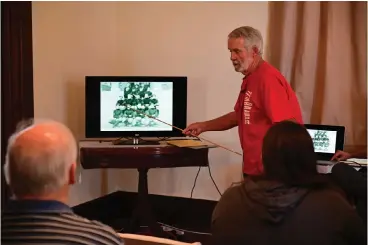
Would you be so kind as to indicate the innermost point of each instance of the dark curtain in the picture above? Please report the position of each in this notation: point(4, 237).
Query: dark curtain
point(16, 73)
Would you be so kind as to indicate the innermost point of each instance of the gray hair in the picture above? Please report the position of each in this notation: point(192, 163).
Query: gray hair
point(252, 37)
point(35, 169)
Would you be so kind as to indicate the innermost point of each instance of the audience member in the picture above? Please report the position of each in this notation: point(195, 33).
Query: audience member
point(291, 203)
point(40, 167)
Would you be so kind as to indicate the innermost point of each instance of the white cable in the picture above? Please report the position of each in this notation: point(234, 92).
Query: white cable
point(174, 228)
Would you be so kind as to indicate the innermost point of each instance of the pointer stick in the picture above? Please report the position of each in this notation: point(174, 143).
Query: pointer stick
point(183, 130)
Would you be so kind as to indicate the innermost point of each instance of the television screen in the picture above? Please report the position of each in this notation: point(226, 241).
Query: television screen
point(132, 106)
point(135, 106)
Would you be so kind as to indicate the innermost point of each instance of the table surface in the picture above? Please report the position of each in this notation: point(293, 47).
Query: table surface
point(323, 166)
point(100, 154)
point(326, 166)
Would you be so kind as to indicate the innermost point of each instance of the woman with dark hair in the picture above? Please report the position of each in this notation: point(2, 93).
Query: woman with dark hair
point(290, 204)
point(288, 156)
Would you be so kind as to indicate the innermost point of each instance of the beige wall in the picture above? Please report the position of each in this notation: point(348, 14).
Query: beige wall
point(75, 39)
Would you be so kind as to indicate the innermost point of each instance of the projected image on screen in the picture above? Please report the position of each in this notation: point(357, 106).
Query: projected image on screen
point(324, 141)
point(122, 102)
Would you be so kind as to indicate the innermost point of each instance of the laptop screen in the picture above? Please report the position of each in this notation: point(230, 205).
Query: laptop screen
point(327, 139)
point(324, 141)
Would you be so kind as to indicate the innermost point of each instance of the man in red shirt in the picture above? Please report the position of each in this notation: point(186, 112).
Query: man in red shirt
point(265, 98)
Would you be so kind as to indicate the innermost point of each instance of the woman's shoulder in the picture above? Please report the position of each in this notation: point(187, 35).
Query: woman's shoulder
point(328, 198)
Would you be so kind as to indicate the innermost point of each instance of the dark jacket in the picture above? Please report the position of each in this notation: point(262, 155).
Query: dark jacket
point(269, 213)
point(354, 183)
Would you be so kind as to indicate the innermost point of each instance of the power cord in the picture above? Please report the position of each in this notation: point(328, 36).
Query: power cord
point(213, 181)
point(195, 182)
point(209, 171)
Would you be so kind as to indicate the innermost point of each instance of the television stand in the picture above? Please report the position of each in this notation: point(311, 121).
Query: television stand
point(95, 155)
point(135, 141)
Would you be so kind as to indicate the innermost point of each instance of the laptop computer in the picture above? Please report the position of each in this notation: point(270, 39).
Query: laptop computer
point(327, 140)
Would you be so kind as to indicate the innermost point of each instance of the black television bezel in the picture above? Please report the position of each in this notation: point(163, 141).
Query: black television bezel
point(93, 112)
point(340, 138)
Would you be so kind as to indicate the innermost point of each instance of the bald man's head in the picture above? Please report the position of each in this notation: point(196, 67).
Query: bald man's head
point(41, 158)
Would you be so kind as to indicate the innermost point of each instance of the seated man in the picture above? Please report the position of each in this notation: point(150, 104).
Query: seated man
point(291, 203)
point(40, 167)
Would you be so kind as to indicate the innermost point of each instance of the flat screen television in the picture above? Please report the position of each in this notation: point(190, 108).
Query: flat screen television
point(124, 106)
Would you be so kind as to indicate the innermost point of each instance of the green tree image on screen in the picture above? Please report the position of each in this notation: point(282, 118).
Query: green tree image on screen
point(139, 97)
point(320, 140)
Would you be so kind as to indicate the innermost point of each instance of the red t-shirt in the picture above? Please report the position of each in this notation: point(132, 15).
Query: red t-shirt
point(265, 98)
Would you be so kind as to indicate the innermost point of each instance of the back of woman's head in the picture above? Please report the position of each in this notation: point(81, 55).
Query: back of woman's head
point(288, 154)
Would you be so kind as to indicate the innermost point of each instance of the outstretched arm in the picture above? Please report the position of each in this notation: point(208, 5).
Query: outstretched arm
point(224, 122)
